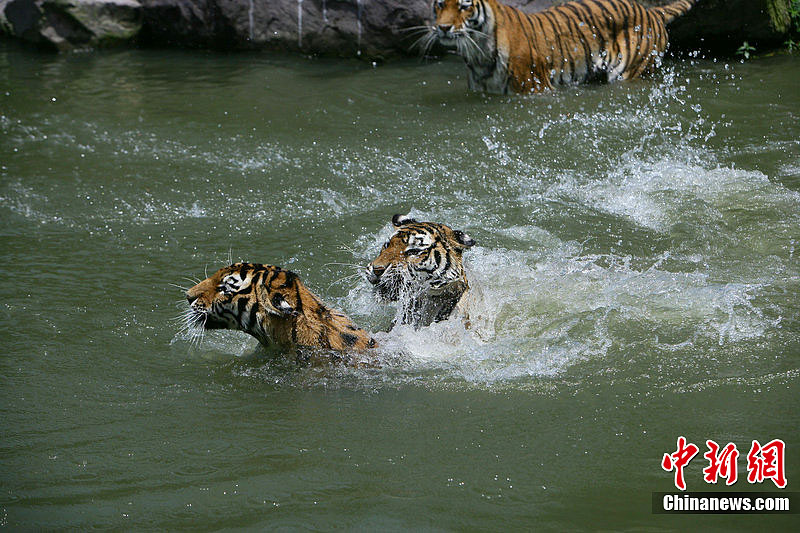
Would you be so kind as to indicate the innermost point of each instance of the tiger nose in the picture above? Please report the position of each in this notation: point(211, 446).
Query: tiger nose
point(374, 273)
point(444, 28)
point(190, 299)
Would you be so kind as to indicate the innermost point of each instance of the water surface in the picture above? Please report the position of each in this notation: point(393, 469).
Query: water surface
point(636, 278)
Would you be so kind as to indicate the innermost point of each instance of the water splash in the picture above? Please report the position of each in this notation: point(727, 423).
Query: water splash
point(541, 317)
point(300, 24)
point(360, 12)
point(554, 288)
point(250, 10)
point(325, 11)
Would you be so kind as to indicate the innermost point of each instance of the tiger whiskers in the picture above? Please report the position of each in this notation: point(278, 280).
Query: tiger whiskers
point(469, 33)
point(420, 301)
point(422, 27)
point(391, 284)
point(463, 49)
point(425, 42)
point(431, 40)
point(345, 248)
point(196, 329)
point(358, 271)
point(467, 48)
point(356, 275)
point(351, 265)
point(188, 319)
point(199, 334)
point(477, 32)
point(190, 322)
point(423, 31)
point(410, 299)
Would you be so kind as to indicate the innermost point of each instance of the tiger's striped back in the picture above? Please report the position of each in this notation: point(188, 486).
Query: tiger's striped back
point(674, 10)
point(508, 50)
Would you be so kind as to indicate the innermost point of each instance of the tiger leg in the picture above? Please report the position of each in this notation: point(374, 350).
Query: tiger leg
point(525, 78)
point(641, 44)
point(653, 44)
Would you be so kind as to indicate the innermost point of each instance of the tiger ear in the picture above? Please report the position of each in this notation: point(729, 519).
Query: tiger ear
point(402, 220)
point(463, 239)
point(285, 309)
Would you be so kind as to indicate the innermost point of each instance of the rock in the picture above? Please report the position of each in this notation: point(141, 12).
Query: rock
point(375, 29)
point(372, 29)
point(721, 26)
point(71, 24)
point(183, 23)
point(20, 18)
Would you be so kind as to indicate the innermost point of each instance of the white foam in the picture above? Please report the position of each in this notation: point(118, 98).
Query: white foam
point(657, 194)
point(539, 317)
point(541, 304)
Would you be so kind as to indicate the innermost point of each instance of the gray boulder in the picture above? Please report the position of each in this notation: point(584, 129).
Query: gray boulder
point(371, 29)
point(378, 29)
point(70, 24)
point(367, 28)
point(721, 26)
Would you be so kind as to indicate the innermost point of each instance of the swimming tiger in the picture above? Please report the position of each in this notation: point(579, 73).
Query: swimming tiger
point(274, 306)
point(582, 40)
point(421, 266)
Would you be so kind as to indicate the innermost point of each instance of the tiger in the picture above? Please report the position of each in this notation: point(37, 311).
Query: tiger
point(579, 41)
point(421, 266)
point(274, 306)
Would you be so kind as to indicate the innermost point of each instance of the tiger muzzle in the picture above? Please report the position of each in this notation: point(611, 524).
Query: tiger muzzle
point(374, 274)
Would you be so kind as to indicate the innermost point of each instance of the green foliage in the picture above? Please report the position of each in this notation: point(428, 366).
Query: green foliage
point(793, 45)
point(794, 13)
point(745, 50)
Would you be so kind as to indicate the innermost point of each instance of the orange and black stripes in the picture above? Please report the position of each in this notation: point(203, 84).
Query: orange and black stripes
point(573, 42)
point(421, 266)
point(674, 10)
point(273, 305)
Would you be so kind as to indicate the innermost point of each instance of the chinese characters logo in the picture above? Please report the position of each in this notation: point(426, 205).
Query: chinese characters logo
point(763, 462)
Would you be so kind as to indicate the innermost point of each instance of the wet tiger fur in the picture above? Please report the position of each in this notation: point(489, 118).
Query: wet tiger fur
point(421, 266)
point(582, 40)
point(274, 306)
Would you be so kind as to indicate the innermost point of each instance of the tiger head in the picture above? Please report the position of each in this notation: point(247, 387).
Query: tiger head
point(274, 306)
point(242, 296)
point(421, 259)
point(458, 21)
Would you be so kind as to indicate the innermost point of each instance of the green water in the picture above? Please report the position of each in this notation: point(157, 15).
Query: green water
point(636, 278)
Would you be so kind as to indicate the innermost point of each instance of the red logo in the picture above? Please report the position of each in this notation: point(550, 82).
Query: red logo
point(763, 462)
point(766, 462)
point(722, 464)
point(678, 460)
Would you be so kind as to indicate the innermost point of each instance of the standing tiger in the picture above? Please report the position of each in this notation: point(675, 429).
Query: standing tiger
point(582, 40)
point(421, 267)
point(274, 306)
